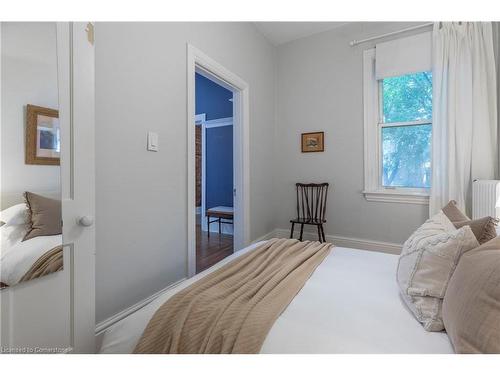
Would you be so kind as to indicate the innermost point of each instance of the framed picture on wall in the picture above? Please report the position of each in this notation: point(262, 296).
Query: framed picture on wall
point(43, 136)
point(313, 142)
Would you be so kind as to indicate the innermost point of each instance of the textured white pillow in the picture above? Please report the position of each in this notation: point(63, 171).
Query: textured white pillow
point(426, 264)
point(15, 215)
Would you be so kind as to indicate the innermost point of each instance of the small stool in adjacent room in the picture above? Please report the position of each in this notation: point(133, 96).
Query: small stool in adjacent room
point(220, 213)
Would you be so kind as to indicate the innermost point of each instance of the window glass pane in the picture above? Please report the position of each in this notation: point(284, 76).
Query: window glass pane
point(407, 98)
point(406, 156)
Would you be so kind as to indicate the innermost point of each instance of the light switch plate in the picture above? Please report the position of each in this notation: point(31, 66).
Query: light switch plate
point(152, 141)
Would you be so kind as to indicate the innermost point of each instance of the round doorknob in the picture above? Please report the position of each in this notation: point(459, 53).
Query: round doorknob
point(86, 221)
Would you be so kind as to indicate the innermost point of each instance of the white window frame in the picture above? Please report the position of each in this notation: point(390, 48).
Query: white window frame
point(373, 189)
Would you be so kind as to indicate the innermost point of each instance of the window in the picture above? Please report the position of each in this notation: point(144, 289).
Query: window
point(398, 132)
point(405, 130)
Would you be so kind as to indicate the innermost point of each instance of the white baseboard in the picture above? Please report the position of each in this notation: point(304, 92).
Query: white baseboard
point(105, 324)
point(354, 243)
point(266, 236)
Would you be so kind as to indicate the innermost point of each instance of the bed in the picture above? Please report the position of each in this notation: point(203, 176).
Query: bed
point(350, 304)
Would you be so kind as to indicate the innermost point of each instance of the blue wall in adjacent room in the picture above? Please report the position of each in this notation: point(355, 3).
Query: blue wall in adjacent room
point(213, 100)
point(219, 167)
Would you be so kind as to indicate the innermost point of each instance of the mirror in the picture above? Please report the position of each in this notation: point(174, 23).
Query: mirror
point(30, 190)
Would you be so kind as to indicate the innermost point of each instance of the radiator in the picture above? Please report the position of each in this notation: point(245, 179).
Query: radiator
point(485, 194)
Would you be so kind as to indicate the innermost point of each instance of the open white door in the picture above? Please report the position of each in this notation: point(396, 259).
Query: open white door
point(76, 82)
point(55, 313)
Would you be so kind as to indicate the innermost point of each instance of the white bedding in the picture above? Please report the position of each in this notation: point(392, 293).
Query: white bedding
point(350, 304)
point(17, 256)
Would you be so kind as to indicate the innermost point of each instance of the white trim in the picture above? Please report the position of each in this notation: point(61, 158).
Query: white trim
point(266, 236)
point(370, 118)
point(199, 119)
point(373, 191)
point(219, 122)
point(203, 178)
point(409, 123)
point(198, 62)
point(397, 196)
point(350, 242)
point(106, 323)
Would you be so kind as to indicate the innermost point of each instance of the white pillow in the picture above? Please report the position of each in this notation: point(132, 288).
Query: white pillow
point(426, 264)
point(15, 215)
point(11, 235)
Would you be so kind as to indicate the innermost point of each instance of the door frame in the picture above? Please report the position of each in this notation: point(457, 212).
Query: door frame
point(76, 55)
point(199, 121)
point(199, 62)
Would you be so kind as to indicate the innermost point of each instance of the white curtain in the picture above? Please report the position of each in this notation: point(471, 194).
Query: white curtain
point(464, 138)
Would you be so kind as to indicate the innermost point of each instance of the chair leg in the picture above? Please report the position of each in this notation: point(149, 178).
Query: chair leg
point(220, 231)
point(301, 231)
point(208, 226)
point(291, 232)
point(323, 233)
point(319, 233)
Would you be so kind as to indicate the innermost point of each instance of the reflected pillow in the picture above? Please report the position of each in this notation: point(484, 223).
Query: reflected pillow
point(15, 215)
point(44, 216)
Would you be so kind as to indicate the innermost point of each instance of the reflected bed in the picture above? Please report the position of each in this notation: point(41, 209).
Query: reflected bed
point(23, 258)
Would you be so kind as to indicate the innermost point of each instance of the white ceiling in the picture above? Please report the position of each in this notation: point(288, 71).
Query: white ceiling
point(282, 32)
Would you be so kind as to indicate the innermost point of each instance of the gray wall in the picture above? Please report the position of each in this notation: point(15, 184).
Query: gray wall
point(141, 196)
point(320, 88)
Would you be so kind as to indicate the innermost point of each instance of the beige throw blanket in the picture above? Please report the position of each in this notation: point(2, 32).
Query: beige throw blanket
point(51, 261)
point(232, 309)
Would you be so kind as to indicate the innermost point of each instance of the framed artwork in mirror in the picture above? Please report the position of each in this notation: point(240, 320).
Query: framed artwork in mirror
point(313, 142)
point(43, 136)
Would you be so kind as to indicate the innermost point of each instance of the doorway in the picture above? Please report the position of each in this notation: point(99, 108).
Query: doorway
point(214, 172)
point(218, 203)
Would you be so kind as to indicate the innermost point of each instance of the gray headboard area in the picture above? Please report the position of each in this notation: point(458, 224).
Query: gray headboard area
point(9, 199)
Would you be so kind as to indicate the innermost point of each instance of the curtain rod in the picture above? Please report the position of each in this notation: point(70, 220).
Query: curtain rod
point(356, 42)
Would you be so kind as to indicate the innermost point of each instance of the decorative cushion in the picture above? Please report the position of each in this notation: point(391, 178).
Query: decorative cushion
point(484, 229)
point(453, 213)
point(471, 306)
point(45, 216)
point(426, 264)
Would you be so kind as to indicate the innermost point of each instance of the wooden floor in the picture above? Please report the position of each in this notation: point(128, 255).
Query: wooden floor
point(211, 250)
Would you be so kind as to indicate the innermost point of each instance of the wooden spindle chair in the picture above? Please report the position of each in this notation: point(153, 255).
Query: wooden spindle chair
point(311, 208)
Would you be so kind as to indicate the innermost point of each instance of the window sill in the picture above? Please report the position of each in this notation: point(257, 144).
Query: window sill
point(397, 196)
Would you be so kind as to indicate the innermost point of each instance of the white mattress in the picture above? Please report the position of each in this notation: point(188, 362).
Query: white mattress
point(350, 304)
